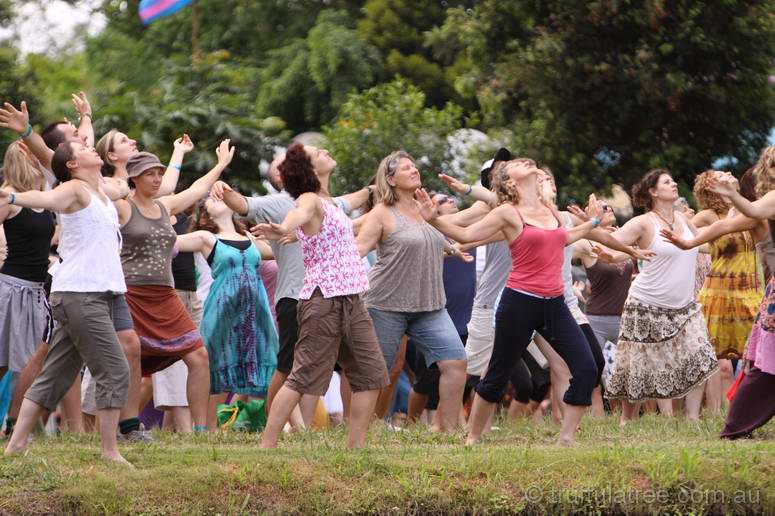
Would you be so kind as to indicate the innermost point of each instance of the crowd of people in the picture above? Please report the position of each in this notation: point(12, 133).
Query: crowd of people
point(119, 288)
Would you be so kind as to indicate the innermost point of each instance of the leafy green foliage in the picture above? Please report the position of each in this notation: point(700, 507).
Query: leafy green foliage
point(388, 117)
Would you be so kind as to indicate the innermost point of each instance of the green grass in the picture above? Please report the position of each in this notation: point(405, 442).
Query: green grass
point(652, 466)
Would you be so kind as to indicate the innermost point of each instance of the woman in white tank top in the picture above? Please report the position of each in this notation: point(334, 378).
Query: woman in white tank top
point(88, 277)
point(663, 350)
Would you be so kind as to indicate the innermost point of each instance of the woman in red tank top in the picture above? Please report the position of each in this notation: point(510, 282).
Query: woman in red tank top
point(533, 297)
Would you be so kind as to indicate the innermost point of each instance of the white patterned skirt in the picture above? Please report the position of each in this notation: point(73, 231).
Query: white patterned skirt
point(662, 353)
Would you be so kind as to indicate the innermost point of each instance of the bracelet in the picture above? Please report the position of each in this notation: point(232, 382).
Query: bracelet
point(595, 222)
point(27, 132)
point(470, 189)
point(86, 114)
point(175, 166)
point(13, 198)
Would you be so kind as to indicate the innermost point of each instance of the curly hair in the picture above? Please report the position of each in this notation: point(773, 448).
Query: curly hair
point(641, 197)
point(201, 219)
point(706, 198)
point(386, 193)
point(297, 172)
point(765, 164)
point(500, 186)
point(748, 185)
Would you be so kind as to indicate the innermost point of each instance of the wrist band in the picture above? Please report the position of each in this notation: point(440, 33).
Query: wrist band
point(470, 189)
point(175, 166)
point(28, 131)
point(86, 114)
point(13, 198)
point(595, 222)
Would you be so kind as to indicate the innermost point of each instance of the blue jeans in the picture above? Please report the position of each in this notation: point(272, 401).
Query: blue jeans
point(433, 333)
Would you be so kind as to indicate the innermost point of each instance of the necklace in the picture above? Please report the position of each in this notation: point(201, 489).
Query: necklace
point(669, 224)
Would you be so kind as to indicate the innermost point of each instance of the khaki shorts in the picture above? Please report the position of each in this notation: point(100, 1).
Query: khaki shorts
point(337, 329)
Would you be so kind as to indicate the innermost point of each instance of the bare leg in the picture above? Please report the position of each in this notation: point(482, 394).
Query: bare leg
point(108, 422)
point(451, 385)
point(361, 412)
point(130, 343)
point(71, 408)
point(386, 394)
point(713, 391)
point(89, 422)
point(570, 423)
point(727, 379)
point(694, 403)
point(277, 381)
point(416, 405)
point(146, 393)
point(518, 409)
point(481, 411)
point(597, 409)
point(630, 411)
point(285, 401)
point(559, 375)
point(666, 407)
point(26, 377)
point(213, 402)
point(198, 384)
point(308, 404)
point(346, 393)
point(29, 414)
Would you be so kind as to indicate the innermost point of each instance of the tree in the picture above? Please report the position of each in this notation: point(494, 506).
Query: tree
point(604, 91)
point(388, 117)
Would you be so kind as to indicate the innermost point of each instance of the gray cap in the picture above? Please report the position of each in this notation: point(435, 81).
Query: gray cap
point(141, 162)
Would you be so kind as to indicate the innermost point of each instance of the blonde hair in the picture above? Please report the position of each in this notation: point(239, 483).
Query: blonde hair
point(104, 147)
point(706, 198)
point(500, 186)
point(764, 183)
point(19, 172)
point(386, 193)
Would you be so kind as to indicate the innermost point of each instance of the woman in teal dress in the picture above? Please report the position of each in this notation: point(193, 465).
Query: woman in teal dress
point(237, 326)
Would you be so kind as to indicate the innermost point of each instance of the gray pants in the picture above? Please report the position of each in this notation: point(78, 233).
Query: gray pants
point(85, 334)
point(606, 328)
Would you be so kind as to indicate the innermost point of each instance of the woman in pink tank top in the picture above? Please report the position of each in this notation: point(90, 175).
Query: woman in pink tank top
point(533, 297)
point(334, 325)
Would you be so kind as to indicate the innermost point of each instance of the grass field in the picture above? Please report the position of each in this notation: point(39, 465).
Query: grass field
point(652, 466)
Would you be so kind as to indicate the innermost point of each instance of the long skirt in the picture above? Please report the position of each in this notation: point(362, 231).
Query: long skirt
point(163, 325)
point(662, 353)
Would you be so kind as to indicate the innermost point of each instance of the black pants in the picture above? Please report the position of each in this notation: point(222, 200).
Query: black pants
point(517, 317)
point(595, 348)
point(426, 378)
point(530, 380)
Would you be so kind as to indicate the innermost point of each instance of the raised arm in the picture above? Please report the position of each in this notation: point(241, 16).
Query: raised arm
point(726, 185)
point(115, 188)
point(493, 223)
point(477, 192)
point(196, 242)
point(59, 199)
point(712, 232)
point(307, 205)
point(83, 107)
point(201, 187)
point(235, 201)
point(18, 120)
point(474, 213)
point(181, 147)
point(358, 198)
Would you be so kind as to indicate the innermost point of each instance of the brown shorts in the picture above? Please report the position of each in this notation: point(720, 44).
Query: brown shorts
point(337, 329)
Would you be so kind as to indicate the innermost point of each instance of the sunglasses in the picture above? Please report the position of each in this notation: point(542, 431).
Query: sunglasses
point(443, 199)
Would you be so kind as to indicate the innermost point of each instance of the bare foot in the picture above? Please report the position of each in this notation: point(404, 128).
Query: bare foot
point(118, 458)
point(567, 441)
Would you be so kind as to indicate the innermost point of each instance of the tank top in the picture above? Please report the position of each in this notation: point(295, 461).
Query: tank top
point(146, 255)
point(183, 267)
point(331, 260)
point(408, 274)
point(536, 259)
point(667, 280)
point(610, 286)
point(89, 247)
point(28, 239)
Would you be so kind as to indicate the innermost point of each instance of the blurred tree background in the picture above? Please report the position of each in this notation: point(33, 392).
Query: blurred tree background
point(600, 91)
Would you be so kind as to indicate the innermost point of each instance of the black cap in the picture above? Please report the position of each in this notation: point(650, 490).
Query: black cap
point(503, 154)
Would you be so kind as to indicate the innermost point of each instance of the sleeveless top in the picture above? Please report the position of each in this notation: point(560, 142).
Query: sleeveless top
point(733, 262)
point(331, 260)
point(408, 275)
point(183, 268)
point(497, 264)
point(610, 286)
point(89, 247)
point(667, 280)
point(28, 238)
point(146, 255)
point(536, 259)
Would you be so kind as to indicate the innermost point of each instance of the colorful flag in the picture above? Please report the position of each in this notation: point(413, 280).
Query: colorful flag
point(150, 10)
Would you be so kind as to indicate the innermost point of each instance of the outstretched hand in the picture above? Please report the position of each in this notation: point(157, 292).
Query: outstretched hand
point(454, 184)
point(673, 238)
point(225, 153)
point(428, 208)
point(642, 254)
point(183, 144)
point(15, 119)
point(81, 104)
point(724, 184)
point(269, 231)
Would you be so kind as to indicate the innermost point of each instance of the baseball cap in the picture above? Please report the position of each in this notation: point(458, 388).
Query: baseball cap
point(503, 154)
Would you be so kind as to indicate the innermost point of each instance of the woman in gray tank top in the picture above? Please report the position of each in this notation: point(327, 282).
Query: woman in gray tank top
point(406, 295)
